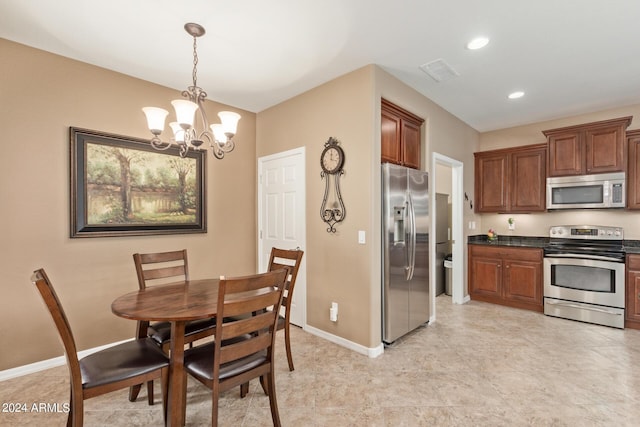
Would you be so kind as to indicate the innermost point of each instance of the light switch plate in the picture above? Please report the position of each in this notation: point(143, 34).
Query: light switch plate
point(361, 237)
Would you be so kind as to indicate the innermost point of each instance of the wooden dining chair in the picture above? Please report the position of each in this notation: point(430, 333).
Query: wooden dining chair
point(114, 368)
point(161, 268)
point(291, 259)
point(244, 345)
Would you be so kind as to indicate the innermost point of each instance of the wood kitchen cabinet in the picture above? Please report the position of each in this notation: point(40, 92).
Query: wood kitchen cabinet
point(633, 169)
point(506, 275)
point(511, 180)
point(632, 306)
point(401, 136)
point(591, 148)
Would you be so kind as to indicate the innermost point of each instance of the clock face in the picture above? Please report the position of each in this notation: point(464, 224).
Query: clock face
point(332, 159)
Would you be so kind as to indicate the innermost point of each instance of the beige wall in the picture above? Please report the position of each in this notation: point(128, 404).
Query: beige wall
point(338, 268)
point(348, 108)
point(538, 224)
point(41, 95)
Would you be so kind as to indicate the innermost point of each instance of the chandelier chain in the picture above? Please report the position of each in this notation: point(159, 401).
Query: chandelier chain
point(195, 62)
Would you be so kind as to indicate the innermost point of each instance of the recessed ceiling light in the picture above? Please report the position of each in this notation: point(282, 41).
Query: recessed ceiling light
point(477, 43)
point(516, 95)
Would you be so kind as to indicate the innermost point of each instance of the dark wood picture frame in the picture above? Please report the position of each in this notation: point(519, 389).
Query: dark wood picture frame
point(162, 192)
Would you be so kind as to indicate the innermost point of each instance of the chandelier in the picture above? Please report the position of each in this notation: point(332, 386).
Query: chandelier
point(185, 133)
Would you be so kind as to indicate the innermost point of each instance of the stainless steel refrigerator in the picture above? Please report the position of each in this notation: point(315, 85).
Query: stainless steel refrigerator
point(405, 251)
point(443, 246)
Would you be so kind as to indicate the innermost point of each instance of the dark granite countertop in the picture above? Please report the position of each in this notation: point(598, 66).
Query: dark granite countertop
point(521, 241)
point(630, 246)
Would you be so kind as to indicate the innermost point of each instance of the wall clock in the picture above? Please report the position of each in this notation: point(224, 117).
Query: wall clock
point(332, 163)
point(332, 158)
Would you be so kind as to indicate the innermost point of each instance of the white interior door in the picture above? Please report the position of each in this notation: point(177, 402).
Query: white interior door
point(281, 216)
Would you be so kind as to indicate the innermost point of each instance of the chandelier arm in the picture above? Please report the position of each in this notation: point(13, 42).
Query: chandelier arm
point(217, 152)
point(184, 148)
point(159, 144)
point(203, 114)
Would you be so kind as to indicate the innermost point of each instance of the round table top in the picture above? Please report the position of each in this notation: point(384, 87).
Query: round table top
point(180, 301)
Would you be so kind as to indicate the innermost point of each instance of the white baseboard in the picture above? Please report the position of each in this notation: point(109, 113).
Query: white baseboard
point(371, 352)
point(31, 368)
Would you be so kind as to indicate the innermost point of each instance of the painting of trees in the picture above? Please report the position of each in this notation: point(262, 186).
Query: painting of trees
point(131, 186)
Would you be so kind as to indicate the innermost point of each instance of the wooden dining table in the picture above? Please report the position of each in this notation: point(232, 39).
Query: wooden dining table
point(178, 303)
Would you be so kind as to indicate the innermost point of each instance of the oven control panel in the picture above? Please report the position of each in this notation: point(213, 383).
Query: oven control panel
point(591, 232)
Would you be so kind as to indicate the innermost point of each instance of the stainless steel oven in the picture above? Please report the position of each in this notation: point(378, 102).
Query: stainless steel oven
point(584, 274)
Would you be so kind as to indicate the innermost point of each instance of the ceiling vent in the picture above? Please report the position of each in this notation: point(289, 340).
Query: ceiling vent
point(439, 70)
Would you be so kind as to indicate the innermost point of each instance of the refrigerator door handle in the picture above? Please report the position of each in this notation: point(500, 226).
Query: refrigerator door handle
point(407, 238)
point(411, 249)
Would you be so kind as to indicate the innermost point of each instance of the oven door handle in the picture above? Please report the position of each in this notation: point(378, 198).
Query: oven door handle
point(583, 256)
point(583, 307)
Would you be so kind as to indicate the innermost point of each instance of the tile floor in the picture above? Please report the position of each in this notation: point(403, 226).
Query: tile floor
point(479, 365)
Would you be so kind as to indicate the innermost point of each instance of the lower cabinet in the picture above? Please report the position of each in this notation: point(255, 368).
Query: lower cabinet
point(506, 275)
point(632, 306)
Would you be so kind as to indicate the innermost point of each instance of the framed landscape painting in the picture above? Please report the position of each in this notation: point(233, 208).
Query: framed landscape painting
point(121, 186)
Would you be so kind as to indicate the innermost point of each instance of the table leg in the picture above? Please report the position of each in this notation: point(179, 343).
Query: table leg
point(177, 381)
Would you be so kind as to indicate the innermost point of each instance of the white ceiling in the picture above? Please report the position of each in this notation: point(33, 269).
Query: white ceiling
point(569, 56)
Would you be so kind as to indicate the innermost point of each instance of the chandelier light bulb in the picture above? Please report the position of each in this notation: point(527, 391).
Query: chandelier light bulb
point(178, 132)
point(155, 119)
point(218, 133)
point(185, 112)
point(229, 121)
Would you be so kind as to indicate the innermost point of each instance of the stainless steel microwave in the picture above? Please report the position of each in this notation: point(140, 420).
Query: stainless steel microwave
point(601, 191)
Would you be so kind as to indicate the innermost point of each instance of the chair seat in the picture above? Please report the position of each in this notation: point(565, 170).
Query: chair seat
point(199, 362)
point(160, 332)
point(120, 362)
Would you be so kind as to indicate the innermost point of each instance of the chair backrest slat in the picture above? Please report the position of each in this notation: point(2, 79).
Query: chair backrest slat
point(231, 352)
point(247, 325)
point(291, 260)
point(161, 267)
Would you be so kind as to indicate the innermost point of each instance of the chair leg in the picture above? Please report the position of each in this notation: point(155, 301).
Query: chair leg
point(150, 392)
point(164, 386)
point(273, 403)
point(133, 392)
point(287, 344)
point(265, 387)
point(215, 400)
point(70, 414)
point(76, 411)
point(244, 389)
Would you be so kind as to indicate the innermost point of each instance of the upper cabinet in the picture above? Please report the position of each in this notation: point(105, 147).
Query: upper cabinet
point(511, 180)
point(591, 148)
point(633, 170)
point(400, 137)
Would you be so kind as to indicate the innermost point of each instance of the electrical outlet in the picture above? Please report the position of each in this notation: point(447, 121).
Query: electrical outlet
point(333, 312)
